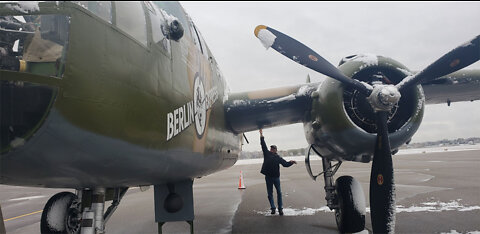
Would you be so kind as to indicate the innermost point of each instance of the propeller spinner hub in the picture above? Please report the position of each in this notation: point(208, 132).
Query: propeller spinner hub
point(384, 97)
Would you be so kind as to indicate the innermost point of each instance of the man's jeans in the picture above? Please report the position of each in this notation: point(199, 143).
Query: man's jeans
point(271, 181)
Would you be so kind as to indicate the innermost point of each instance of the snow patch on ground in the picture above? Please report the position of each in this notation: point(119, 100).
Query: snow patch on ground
point(437, 206)
point(456, 232)
point(427, 207)
point(297, 212)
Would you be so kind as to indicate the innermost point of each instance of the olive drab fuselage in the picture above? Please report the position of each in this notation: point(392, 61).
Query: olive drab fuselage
point(123, 112)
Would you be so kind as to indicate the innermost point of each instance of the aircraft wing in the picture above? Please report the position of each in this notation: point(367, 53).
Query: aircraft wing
point(463, 85)
point(248, 111)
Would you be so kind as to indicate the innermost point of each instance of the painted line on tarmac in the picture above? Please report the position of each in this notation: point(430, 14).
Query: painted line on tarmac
point(21, 216)
point(26, 198)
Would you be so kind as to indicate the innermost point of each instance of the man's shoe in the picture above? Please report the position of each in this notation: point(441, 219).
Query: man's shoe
point(280, 211)
point(273, 211)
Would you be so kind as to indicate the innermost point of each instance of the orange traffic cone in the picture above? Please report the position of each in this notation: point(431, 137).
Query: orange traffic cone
point(241, 184)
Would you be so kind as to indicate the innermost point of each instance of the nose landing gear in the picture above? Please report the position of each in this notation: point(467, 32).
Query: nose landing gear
point(83, 212)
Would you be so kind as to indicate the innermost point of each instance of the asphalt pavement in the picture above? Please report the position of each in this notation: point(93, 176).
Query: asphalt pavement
point(436, 193)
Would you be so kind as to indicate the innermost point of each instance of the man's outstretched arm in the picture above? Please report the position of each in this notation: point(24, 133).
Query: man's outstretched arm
point(262, 142)
point(285, 163)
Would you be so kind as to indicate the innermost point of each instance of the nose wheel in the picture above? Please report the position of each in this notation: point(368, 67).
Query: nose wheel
point(61, 214)
point(66, 212)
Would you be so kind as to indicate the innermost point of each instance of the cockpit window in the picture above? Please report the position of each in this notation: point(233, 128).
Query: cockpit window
point(131, 19)
point(100, 9)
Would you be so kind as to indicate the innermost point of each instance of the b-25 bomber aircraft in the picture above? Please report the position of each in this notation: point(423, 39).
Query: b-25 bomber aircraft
point(103, 96)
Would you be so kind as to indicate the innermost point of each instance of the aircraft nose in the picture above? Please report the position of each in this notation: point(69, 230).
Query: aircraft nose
point(23, 107)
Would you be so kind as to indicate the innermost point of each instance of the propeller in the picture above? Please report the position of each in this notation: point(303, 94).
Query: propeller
point(382, 98)
point(382, 186)
point(300, 53)
point(454, 60)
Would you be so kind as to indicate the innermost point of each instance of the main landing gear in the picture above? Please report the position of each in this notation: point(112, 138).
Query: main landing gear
point(83, 212)
point(345, 196)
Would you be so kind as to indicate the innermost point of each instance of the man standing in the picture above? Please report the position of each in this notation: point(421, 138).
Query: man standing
point(271, 170)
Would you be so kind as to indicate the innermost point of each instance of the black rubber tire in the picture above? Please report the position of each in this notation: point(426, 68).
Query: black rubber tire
point(59, 203)
point(349, 219)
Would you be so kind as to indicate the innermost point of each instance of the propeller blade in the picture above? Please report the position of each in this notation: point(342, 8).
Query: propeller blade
point(305, 56)
point(454, 60)
point(382, 187)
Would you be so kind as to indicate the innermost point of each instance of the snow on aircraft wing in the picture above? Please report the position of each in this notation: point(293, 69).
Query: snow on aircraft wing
point(463, 85)
point(248, 111)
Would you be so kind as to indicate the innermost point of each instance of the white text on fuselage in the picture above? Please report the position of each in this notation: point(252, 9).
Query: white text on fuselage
point(184, 116)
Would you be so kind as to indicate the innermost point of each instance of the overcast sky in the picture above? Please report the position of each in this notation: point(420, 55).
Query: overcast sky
point(412, 33)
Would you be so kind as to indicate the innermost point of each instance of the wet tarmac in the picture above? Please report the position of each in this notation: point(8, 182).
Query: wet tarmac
point(437, 192)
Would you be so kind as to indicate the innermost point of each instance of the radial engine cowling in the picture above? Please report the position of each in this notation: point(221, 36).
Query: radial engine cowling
point(343, 121)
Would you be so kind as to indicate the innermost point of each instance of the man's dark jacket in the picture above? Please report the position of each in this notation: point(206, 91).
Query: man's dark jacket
point(271, 161)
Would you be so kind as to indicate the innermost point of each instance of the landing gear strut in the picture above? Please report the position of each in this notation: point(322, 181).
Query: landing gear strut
point(345, 196)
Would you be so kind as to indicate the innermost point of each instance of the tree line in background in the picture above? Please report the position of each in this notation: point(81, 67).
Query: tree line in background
point(302, 151)
point(444, 142)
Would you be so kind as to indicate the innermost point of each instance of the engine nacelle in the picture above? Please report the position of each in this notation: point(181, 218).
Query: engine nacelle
point(342, 121)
